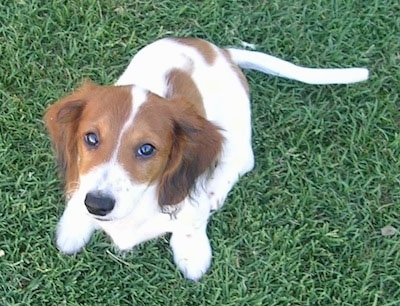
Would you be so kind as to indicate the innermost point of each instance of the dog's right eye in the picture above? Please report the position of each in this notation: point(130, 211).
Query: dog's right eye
point(92, 140)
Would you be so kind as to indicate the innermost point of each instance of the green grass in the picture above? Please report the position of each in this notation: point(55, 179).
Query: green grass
point(304, 228)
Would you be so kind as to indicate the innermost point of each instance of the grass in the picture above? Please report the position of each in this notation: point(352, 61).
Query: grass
point(304, 228)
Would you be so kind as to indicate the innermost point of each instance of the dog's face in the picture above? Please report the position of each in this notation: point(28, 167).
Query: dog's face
point(114, 144)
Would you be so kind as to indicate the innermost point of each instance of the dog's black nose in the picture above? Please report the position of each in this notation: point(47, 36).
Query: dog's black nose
point(99, 204)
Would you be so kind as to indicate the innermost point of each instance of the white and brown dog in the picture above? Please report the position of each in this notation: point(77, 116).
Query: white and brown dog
point(159, 151)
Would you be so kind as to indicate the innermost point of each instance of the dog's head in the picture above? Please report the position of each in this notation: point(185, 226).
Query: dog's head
point(116, 143)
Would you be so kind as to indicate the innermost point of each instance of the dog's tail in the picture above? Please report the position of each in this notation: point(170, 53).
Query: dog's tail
point(275, 66)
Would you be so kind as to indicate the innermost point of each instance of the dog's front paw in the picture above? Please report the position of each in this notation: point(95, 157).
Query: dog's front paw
point(192, 254)
point(70, 244)
point(73, 234)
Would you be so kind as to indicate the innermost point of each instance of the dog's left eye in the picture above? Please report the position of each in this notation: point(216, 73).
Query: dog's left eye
point(145, 150)
point(91, 139)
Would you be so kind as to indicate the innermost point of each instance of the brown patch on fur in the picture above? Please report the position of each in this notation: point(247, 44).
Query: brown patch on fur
point(237, 70)
point(210, 55)
point(97, 109)
point(181, 84)
point(152, 125)
point(205, 48)
point(186, 145)
point(196, 145)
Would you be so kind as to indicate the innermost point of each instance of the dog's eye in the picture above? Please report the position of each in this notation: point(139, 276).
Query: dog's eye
point(145, 150)
point(91, 139)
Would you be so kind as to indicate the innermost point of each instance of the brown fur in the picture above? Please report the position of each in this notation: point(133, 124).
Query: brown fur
point(205, 48)
point(181, 84)
point(187, 145)
point(196, 144)
point(209, 54)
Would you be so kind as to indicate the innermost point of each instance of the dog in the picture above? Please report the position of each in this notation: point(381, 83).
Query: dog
point(159, 150)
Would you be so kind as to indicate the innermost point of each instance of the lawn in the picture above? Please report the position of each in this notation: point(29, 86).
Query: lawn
point(315, 223)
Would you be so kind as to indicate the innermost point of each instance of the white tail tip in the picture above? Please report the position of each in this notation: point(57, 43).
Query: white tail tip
point(331, 76)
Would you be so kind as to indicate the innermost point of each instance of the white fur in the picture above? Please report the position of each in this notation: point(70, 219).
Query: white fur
point(137, 216)
point(275, 66)
point(75, 227)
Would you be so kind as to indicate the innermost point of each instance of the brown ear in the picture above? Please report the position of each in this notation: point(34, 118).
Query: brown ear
point(62, 120)
point(196, 145)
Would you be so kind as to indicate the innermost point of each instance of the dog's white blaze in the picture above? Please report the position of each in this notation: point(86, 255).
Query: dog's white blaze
point(139, 96)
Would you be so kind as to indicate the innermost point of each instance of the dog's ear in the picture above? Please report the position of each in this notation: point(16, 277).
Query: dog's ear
point(62, 121)
point(196, 145)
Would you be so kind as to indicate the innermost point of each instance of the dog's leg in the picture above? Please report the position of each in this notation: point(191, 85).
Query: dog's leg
point(219, 186)
point(227, 173)
point(192, 251)
point(74, 228)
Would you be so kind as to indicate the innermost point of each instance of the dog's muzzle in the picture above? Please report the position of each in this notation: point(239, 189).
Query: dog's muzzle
point(98, 203)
